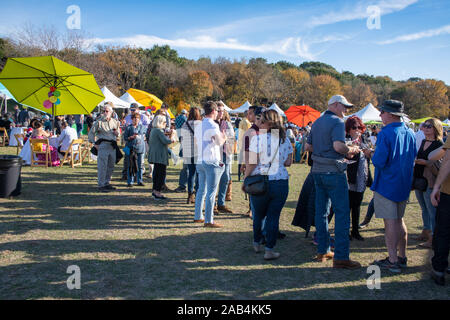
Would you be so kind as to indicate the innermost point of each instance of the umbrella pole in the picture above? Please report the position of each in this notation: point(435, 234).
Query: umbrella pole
point(53, 117)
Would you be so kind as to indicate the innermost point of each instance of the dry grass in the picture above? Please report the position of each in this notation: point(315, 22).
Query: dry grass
point(130, 247)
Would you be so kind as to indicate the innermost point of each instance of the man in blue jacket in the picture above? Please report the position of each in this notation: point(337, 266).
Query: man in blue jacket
point(394, 162)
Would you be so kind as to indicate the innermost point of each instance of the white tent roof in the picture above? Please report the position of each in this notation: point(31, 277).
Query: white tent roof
point(110, 97)
point(242, 108)
point(227, 109)
point(370, 113)
point(129, 98)
point(447, 121)
point(277, 109)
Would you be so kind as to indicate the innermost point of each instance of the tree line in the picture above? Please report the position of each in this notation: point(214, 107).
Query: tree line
point(181, 82)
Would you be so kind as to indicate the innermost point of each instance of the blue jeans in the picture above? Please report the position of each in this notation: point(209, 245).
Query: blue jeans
point(332, 188)
point(182, 181)
point(268, 207)
point(139, 173)
point(208, 181)
point(428, 210)
point(223, 185)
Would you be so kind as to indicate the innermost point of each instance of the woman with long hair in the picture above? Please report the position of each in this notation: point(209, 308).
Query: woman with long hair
point(190, 149)
point(270, 153)
point(432, 128)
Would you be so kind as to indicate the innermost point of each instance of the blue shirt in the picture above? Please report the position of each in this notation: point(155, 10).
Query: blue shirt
point(138, 144)
point(326, 130)
point(394, 162)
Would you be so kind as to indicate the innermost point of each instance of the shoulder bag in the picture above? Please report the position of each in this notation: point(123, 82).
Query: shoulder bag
point(258, 184)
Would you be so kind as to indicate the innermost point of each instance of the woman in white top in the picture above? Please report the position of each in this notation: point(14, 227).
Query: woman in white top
point(270, 154)
point(209, 166)
point(68, 134)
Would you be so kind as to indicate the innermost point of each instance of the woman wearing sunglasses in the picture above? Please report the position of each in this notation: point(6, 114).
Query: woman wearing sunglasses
point(432, 128)
point(358, 172)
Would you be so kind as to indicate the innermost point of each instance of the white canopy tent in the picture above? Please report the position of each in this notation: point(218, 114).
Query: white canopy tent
point(275, 107)
point(447, 121)
point(242, 108)
point(129, 98)
point(227, 109)
point(368, 113)
point(110, 97)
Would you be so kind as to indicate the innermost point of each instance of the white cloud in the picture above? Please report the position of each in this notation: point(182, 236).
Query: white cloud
point(293, 47)
point(359, 11)
point(419, 35)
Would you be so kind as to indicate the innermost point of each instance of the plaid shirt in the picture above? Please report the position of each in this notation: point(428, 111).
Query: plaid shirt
point(179, 121)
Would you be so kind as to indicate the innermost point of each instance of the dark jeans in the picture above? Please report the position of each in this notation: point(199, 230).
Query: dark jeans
point(159, 176)
point(370, 211)
point(269, 206)
point(355, 200)
point(79, 129)
point(192, 178)
point(441, 236)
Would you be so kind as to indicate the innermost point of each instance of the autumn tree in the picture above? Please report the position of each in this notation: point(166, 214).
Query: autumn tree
point(296, 83)
point(360, 95)
point(434, 97)
point(321, 89)
point(198, 86)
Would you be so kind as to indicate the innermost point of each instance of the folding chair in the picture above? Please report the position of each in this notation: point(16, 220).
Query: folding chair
point(304, 158)
point(70, 154)
point(19, 138)
point(37, 147)
point(86, 150)
point(4, 137)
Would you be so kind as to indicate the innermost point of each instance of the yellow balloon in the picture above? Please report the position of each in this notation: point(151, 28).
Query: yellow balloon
point(53, 99)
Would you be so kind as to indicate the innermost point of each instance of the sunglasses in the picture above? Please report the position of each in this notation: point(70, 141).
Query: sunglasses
point(355, 128)
point(429, 126)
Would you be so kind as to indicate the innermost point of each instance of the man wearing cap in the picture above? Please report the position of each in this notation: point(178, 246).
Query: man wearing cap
point(394, 163)
point(326, 141)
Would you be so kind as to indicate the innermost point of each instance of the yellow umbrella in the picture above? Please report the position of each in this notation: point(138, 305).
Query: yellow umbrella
point(147, 99)
point(49, 84)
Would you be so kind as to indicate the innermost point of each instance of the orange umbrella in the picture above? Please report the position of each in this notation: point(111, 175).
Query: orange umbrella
point(301, 115)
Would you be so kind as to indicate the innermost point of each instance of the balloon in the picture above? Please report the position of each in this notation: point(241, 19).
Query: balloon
point(56, 93)
point(153, 108)
point(52, 89)
point(50, 94)
point(47, 104)
point(53, 99)
point(58, 102)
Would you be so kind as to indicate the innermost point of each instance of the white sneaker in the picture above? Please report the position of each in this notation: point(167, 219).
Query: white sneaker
point(271, 255)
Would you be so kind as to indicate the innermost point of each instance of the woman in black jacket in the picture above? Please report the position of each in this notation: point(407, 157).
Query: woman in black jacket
point(358, 171)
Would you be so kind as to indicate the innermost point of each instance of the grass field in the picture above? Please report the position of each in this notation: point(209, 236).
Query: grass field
point(130, 247)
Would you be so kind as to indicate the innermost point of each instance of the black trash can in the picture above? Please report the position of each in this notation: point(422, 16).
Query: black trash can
point(10, 181)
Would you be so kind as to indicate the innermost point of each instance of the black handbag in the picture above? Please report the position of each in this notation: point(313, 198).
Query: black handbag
point(258, 185)
point(420, 184)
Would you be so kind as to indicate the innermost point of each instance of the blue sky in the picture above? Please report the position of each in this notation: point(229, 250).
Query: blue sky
point(413, 38)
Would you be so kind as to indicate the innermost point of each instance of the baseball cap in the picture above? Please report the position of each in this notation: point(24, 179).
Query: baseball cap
point(184, 111)
point(134, 106)
point(341, 99)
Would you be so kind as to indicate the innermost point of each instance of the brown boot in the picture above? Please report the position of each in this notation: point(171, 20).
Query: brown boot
point(346, 264)
point(424, 236)
point(228, 195)
point(224, 209)
point(191, 198)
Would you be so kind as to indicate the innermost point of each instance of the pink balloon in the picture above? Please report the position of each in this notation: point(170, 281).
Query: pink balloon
point(47, 104)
